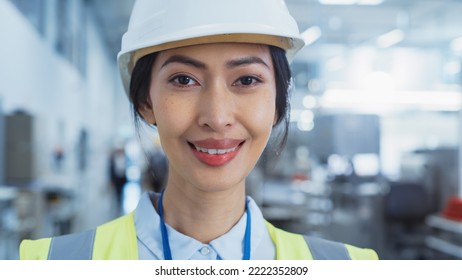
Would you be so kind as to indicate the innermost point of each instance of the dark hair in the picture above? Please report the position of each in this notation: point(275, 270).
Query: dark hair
point(283, 77)
point(141, 80)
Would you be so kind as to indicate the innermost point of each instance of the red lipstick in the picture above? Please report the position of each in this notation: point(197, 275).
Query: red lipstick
point(216, 152)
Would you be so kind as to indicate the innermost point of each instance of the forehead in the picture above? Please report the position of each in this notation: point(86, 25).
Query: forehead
point(216, 52)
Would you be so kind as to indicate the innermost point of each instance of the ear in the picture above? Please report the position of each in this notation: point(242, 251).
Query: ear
point(147, 113)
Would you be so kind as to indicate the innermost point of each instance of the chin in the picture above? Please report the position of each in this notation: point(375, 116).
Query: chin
point(218, 185)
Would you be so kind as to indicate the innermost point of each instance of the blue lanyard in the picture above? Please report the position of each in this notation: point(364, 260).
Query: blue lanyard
point(166, 243)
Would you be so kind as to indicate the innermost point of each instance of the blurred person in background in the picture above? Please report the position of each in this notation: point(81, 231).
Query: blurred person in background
point(213, 79)
point(117, 172)
point(156, 171)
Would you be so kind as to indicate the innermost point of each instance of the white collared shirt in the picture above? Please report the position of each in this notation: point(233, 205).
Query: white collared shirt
point(227, 247)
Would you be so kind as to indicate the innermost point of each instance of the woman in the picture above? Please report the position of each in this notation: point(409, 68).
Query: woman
point(213, 78)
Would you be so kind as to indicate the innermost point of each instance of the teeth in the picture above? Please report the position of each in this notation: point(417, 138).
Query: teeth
point(215, 151)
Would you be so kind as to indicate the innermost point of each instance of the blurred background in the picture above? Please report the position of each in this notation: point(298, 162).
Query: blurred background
point(372, 157)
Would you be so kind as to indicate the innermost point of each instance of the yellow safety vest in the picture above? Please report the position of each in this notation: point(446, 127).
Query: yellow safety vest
point(116, 240)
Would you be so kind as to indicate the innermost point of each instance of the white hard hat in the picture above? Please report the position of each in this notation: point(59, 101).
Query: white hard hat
point(157, 25)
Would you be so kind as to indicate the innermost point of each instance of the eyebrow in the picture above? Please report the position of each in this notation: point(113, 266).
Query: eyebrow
point(245, 61)
point(184, 60)
point(200, 65)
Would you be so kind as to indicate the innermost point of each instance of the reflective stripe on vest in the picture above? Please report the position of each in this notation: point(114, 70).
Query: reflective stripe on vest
point(79, 246)
point(322, 249)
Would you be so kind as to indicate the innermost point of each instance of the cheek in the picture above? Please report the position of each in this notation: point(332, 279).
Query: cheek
point(173, 115)
point(261, 114)
point(161, 108)
point(165, 113)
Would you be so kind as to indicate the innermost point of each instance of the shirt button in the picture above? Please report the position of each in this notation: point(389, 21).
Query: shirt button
point(205, 250)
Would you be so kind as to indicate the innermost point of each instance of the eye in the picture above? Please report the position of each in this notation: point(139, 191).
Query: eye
point(247, 81)
point(183, 81)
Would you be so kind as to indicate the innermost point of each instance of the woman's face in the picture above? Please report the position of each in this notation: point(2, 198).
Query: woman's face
point(214, 106)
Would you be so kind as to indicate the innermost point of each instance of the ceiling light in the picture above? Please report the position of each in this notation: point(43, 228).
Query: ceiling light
point(309, 102)
point(456, 45)
point(369, 2)
point(374, 101)
point(351, 2)
point(338, 2)
point(390, 38)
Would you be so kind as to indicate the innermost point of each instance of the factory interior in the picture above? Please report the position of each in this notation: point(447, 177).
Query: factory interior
point(373, 150)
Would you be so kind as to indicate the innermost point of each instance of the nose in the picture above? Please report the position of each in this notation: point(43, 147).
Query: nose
point(217, 107)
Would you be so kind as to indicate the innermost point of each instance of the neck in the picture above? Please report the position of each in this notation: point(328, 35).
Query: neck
point(203, 216)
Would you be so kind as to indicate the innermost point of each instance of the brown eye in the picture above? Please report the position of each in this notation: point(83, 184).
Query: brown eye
point(246, 81)
point(184, 80)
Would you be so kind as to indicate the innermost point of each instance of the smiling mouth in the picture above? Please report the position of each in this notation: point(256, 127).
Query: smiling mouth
point(216, 151)
point(216, 155)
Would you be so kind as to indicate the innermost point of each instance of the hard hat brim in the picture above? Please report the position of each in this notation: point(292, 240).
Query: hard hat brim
point(282, 42)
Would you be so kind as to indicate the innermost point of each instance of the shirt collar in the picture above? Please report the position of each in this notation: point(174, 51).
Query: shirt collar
point(147, 223)
point(225, 245)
